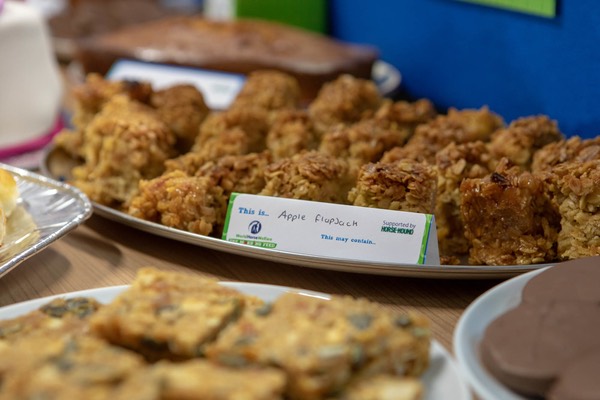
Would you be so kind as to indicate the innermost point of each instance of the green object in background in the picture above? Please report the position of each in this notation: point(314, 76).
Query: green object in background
point(307, 14)
point(542, 8)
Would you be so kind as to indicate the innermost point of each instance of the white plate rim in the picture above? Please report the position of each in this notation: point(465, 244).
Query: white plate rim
point(443, 378)
point(469, 332)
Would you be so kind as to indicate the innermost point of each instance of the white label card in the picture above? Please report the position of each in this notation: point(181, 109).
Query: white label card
point(218, 88)
point(332, 230)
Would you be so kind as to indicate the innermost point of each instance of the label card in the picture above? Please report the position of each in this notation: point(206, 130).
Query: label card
point(332, 230)
point(218, 88)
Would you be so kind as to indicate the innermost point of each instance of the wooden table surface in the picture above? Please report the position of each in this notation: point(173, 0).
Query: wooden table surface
point(103, 253)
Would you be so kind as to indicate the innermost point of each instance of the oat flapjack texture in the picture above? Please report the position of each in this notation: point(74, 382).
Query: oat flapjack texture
point(232, 141)
point(509, 218)
point(56, 317)
point(566, 150)
point(89, 98)
point(199, 379)
point(253, 121)
point(347, 127)
point(368, 139)
point(309, 175)
point(175, 199)
point(457, 126)
point(238, 173)
point(291, 132)
point(233, 174)
point(405, 185)
point(168, 315)
point(270, 90)
point(320, 344)
point(223, 133)
point(404, 115)
point(183, 109)
point(576, 190)
point(97, 91)
point(344, 100)
point(361, 143)
point(173, 335)
point(523, 137)
point(125, 142)
point(383, 387)
point(67, 366)
point(455, 163)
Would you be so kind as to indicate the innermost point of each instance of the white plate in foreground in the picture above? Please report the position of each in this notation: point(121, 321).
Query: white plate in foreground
point(442, 380)
point(46, 211)
point(469, 332)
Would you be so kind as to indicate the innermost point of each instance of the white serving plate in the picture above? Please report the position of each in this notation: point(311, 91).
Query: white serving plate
point(469, 333)
point(46, 211)
point(442, 379)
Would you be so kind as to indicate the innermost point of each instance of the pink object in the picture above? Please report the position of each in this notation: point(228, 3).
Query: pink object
point(34, 144)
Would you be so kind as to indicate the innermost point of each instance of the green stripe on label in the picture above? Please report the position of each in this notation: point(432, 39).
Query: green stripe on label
point(227, 217)
point(428, 218)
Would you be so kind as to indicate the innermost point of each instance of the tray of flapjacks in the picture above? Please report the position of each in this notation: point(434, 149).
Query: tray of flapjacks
point(177, 335)
point(507, 197)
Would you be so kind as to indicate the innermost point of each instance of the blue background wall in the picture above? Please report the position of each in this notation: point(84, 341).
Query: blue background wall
point(464, 55)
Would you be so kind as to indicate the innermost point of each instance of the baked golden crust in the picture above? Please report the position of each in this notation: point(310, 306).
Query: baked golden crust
point(65, 366)
point(320, 344)
point(241, 174)
point(405, 115)
point(457, 126)
point(291, 132)
point(175, 199)
point(402, 118)
point(124, 143)
point(576, 190)
point(232, 132)
point(344, 100)
point(168, 315)
point(253, 121)
point(200, 379)
point(309, 175)
point(90, 97)
point(173, 335)
point(183, 109)
point(572, 149)
point(362, 142)
point(522, 138)
point(412, 150)
point(60, 316)
point(406, 186)
point(270, 90)
point(453, 164)
point(383, 387)
point(509, 218)
point(264, 144)
point(229, 142)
